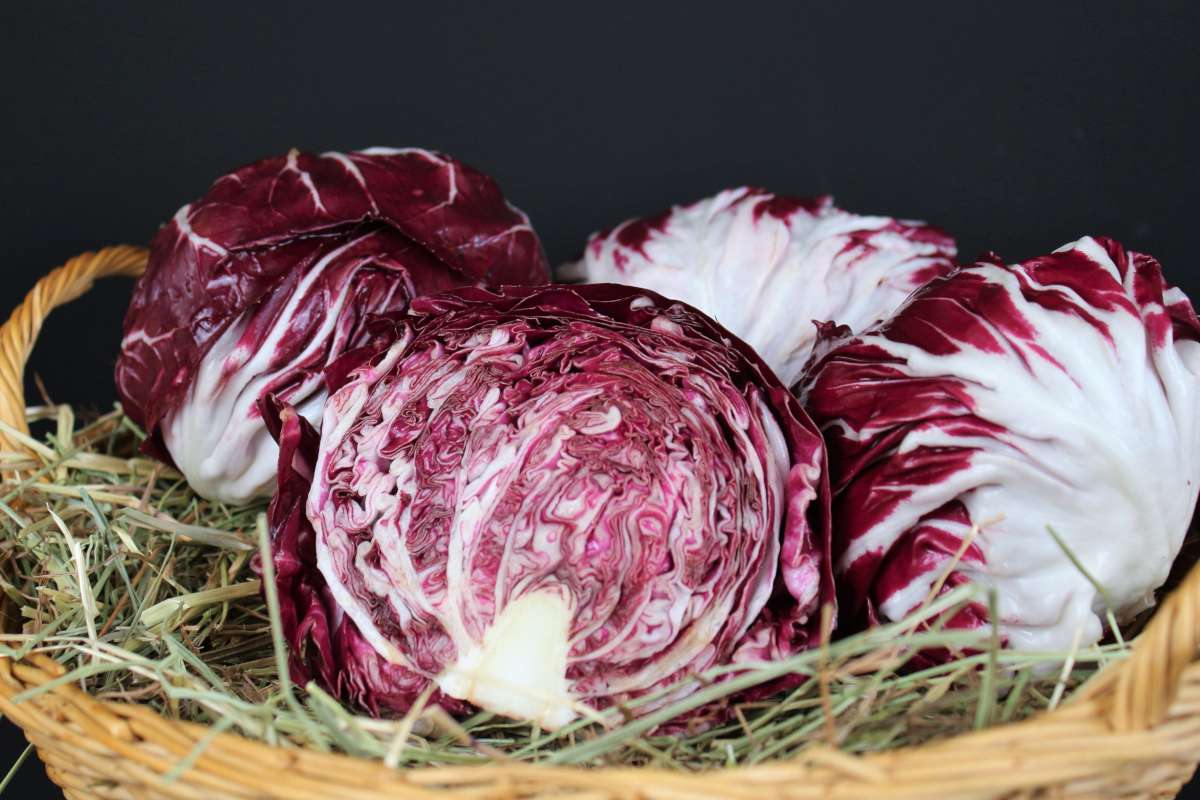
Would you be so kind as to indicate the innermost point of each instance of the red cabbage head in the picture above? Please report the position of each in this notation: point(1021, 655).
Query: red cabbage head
point(1046, 408)
point(254, 288)
point(768, 266)
point(546, 499)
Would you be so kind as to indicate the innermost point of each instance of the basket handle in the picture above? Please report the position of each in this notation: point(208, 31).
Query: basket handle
point(1141, 688)
point(19, 333)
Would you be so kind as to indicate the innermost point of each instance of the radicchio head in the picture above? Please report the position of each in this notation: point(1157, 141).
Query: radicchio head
point(768, 266)
point(1046, 408)
point(544, 499)
point(253, 289)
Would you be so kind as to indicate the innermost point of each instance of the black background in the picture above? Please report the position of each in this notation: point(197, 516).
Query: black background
point(1015, 127)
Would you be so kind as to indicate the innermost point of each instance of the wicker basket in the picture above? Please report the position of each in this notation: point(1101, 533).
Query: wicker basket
point(1134, 731)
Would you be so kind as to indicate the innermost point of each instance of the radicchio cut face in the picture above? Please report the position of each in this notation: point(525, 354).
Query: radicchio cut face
point(546, 499)
point(253, 289)
point(1061, 393)
point(769, 266)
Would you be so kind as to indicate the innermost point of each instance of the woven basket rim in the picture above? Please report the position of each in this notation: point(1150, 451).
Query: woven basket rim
point(1139, 712)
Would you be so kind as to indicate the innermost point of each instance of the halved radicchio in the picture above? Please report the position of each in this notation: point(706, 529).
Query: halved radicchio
point(1053, 406)
point(769, 266)
point(253, 289)
point(544, 499)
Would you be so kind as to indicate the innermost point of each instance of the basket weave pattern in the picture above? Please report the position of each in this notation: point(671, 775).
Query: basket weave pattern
point(1134, 731)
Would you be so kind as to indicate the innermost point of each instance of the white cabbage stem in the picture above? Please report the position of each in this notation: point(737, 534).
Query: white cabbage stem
point(520, 668)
